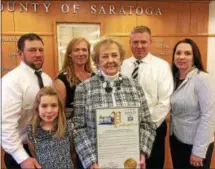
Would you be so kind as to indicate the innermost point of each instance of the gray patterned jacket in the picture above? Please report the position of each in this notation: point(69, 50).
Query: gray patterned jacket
point(91, 95)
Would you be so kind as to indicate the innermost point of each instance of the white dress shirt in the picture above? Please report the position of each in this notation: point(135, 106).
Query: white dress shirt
point(155, 77)
point(19, 88)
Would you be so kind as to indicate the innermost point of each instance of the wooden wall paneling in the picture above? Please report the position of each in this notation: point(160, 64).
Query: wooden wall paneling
point(56, 13)
point(163, 47)
point(2, 158)
point(213, 159)
point(55, 45)
point(9, 57)
point(31, 21)
point(199, 17)
point(169, 22)
point(49, 60)
point(168, 158)
point(113, 22)
point(7, 21)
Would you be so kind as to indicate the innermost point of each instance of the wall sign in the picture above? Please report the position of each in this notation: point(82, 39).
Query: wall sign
point(65, 8)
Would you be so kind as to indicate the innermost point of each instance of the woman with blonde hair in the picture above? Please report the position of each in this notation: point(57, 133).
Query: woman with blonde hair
point(76, 68)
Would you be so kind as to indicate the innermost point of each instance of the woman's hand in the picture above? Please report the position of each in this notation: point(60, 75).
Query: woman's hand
point(142, 161)
point(94, 166)
point(196, 161)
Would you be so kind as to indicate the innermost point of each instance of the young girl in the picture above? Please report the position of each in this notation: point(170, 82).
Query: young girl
point(49, 134)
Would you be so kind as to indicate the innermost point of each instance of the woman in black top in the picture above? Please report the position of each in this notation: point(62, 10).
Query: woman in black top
point(76, 68)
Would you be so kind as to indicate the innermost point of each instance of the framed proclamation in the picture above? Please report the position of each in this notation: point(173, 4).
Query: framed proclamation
point(118, 137)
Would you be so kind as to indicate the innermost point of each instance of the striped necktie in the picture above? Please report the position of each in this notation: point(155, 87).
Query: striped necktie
point(134, 74)
point(40, 80)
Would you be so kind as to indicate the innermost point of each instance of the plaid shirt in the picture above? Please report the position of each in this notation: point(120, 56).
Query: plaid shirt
point(91, 95)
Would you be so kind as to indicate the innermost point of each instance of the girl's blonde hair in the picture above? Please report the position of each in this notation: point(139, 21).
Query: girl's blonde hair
point(60, 121)
point(68, 65)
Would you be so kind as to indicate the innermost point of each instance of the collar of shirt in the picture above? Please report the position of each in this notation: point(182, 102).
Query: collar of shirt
point(28, 68)
point(193, 71)
point(146, 59)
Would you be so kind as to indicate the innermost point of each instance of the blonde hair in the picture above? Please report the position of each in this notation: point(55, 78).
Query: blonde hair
point(60, 122)
point(107, 42)
point(68, 65)
point(141, 29)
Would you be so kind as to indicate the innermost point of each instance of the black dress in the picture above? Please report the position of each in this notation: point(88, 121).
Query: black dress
point(70, 93)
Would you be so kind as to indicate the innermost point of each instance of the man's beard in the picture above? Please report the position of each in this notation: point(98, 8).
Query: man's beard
point(32, 65)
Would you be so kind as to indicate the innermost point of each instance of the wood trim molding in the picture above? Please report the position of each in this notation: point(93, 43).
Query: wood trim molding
point(21, 33)
point(55, 48)
point(112, 34)
point(173, 35)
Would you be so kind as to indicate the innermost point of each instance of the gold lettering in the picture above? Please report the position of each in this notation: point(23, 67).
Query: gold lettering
point(47, 6)
point(139, 11)
point(149, 11)
point(25, 7)
point(9, 5)
point(102, 10)
point(130, 9)
point(35, 5)
point(65, 8)
point(112, 10)
point(75, 8)
point(122, 11)
point(158, 12)
point(93, 9)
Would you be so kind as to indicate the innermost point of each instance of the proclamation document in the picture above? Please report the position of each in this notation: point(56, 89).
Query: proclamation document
point(118, 137)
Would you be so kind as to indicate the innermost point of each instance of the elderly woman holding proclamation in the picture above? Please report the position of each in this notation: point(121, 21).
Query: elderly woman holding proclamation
point(108, 88)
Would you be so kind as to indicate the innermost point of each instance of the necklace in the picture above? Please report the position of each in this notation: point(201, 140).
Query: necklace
point(106, 84)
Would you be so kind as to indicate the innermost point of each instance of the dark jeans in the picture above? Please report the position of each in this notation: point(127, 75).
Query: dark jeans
point(10, 162)
point(157, 157)
point(181, 154)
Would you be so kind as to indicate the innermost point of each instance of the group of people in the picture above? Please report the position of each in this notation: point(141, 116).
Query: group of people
point(49, 124)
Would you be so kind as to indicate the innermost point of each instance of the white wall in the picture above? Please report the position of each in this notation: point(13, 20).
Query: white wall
point(211, 41)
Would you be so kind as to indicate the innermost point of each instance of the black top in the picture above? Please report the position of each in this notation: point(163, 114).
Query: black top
point(70, 93)
point(178, 82)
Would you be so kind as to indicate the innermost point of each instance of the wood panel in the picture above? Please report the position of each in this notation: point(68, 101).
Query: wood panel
point(170, 21)
point(199, 17)
point(9, 59)
point(175, 20)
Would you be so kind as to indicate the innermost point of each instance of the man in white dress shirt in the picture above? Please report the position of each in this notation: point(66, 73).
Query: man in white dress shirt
point(154, 75)
point(19, 88)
